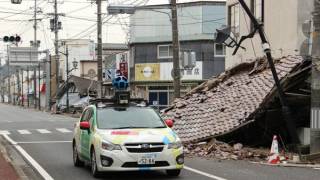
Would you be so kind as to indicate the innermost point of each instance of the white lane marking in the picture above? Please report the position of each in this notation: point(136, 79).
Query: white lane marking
point(42, 142)
point(316, 168)
point(34, 163)
point(4, 132)
point(43, 131)
point(23, 131)
point(203, 173)
point(63, 130)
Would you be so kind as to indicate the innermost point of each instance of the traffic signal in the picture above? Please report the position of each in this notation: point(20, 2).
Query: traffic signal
point(11, 38)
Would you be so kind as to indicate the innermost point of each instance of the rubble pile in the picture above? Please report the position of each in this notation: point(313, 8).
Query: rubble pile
point(231, 100)
point(223, 151)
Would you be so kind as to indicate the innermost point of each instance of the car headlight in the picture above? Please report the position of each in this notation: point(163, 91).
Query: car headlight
point(110, 146)
point(175, 145)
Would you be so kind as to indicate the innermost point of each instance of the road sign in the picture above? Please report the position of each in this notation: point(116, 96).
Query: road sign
point(23, 56)
point(110, 73)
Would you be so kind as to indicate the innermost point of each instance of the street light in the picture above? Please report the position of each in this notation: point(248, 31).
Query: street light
point(226, 37)
point(223, 36)
point(75, 65)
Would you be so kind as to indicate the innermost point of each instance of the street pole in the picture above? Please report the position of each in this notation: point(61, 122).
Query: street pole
point(56, 46)
point(18, 85)
point(315, 82)
point(99, 50)
point(266, 47)
point(48, 80)
point(28, 87)
point(9, 85)
point(67, 80)
point(175, 46)
point(35, 44)
point(35, 87)
point(22, 95)
point(39, 95)
point(14, 92)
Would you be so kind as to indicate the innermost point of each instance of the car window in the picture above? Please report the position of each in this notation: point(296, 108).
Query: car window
point(84, 115)
point(130, 117)
point(90, 118)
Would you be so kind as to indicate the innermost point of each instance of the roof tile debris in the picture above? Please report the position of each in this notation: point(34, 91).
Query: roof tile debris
point(229, 101)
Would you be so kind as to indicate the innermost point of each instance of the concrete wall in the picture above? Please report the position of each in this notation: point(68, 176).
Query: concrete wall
point(282, 20)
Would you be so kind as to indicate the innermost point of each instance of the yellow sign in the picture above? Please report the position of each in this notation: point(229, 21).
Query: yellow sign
point(147, 72)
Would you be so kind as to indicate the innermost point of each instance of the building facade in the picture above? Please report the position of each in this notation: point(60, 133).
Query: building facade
point(283, 21)
point(78, 49)
point(151, 48)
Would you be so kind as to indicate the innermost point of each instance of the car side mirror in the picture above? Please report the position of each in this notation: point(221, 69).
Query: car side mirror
point(85, 125)
point(169, 123)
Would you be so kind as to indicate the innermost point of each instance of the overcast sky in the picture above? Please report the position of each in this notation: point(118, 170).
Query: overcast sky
point(79, 20)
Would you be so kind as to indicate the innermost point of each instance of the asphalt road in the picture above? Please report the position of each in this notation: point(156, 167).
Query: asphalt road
point(47, 139)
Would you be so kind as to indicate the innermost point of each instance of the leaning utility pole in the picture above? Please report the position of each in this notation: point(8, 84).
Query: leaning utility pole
point(99, 50)
point(286, 112)
point(175, 46)
point(315, 87)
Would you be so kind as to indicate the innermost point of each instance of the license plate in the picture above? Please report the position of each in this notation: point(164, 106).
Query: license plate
point(145, 160)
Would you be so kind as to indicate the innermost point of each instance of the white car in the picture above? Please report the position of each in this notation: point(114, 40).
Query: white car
point(126, 138)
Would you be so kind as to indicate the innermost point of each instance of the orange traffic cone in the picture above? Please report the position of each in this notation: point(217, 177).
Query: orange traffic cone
point(274, 157)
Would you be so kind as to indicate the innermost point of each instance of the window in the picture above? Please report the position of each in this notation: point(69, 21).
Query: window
point(128, 117)
point(165, 51)
point(219, 50)
point(257, 7)
point(234, 18)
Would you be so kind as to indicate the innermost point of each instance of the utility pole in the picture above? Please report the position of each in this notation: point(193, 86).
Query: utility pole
point(35, 44)
point(22, 96)
point(9, 85)
point(48, 80)
point(175, 46)
point(39, 86)
point(99, 50)
point(67, 80)
point(56, 46)
point(28, 87)
point(315, 83)
point(18, 85)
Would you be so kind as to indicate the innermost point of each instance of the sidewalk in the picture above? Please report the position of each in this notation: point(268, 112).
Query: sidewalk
point(7, 171)
point(12, 165)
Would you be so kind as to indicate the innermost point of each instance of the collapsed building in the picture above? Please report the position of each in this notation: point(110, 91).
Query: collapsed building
point(242, 105)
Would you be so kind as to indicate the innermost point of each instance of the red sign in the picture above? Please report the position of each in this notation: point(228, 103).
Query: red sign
point(124, 69)
point(124, 133)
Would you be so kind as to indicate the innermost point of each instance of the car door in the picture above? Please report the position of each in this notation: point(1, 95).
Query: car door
point(85, 136)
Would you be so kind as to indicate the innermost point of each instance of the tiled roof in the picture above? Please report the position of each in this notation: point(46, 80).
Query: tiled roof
point(229, 101)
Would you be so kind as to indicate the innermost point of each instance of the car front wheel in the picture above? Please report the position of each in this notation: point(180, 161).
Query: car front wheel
point(94, 169)
point(173, 173)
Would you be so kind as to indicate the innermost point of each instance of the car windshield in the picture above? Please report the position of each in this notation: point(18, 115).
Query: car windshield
point(128, 117)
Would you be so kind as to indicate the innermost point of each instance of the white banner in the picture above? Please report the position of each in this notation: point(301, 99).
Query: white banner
point(193, 74)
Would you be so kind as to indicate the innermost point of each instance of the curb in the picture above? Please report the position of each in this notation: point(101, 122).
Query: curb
point(23, 169)
point(314, 166)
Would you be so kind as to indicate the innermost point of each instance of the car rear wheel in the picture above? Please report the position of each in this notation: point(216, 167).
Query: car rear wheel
point(173, 173)
point(76, 160)
point(94, 170)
